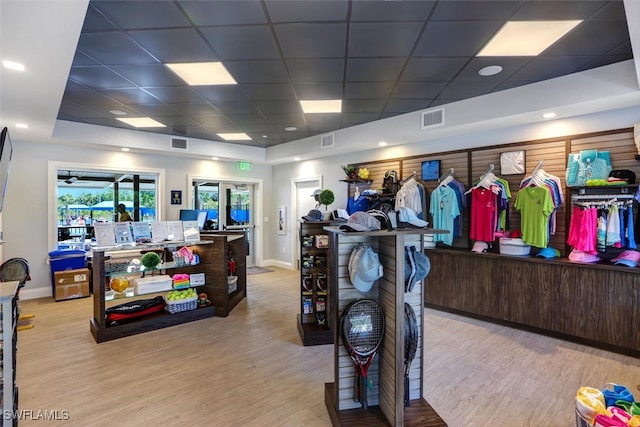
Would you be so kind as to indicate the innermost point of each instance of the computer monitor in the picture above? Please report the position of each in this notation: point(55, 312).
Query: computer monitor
point(194, 215)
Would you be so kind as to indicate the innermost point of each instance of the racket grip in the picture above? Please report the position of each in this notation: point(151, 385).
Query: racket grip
point(363, 391)
point(407, 401)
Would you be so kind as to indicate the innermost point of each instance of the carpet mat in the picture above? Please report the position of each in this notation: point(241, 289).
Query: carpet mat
point(258, 270)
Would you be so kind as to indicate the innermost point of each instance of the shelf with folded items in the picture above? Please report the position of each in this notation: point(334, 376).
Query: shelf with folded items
point(605, 190)
point(357, 181)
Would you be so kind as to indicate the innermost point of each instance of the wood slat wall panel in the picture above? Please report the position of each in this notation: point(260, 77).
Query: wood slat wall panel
point(376, 174)
point(620, 146)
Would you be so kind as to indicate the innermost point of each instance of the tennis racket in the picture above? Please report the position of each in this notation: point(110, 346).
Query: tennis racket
point(356, 377)
point(410, 346)
point(362, 333)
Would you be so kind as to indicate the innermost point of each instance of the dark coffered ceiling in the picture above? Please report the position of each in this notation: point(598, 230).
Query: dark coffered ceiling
point(382, 58)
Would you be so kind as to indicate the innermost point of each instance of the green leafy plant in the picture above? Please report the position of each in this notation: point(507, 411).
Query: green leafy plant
point(325, 198)
point(350, 170)
point(150, 260)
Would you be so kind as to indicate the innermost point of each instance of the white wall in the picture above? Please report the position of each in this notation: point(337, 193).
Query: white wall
point(26, 215)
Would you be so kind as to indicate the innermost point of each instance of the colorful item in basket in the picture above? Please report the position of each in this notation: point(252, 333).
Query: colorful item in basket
point(604, 420)
point(181, 281)
point(619, 393)
point(186, 253)
point(619, 414)
point(589, 403)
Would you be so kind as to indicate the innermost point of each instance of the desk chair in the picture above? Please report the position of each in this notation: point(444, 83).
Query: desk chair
point(17, 269)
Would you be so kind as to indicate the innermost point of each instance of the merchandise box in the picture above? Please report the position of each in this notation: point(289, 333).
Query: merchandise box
point(151, 284)
point(197, 279)
point(70, 284)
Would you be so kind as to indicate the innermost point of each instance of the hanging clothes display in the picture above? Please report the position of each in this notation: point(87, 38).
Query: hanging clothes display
point(599, 222)
point(489, 203)
point(539, 198)
point(444, 209)
point(449, 180)
point(413, 195)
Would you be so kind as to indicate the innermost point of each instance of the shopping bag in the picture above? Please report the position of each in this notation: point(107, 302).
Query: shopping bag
point(587, 165)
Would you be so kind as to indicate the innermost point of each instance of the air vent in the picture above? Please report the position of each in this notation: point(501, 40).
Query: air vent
point(326, 141)
point(432, 118)
point(179, 144)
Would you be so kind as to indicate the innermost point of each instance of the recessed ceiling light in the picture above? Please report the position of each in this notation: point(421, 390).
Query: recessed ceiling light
point(490, 70)
point(382, 144)
point(321, 106)
point(290, 128)
point(239, 136)
point(215, 158)
point(22, 126)
point(118, 112)
point(12, 65)
point(141, 122)
point(549, 115)
point(125, 149)
point(203, 73)
point(526, 38)
point(265, 136)
point(297, 159)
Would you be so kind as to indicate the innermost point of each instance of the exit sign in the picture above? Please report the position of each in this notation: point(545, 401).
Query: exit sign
point(244, 166)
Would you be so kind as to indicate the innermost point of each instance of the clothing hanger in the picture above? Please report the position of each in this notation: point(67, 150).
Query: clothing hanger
point(486, 179)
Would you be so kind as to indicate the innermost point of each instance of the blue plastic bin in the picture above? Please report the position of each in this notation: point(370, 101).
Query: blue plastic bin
point(65, 259)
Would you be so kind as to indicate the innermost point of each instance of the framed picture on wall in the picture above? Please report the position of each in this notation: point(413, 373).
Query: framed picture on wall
point(282, 220)
point(431, 170)
point(512, 163)
point(176, 197)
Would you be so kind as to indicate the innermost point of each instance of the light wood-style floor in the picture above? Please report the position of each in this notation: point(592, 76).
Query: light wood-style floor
point(249, 369)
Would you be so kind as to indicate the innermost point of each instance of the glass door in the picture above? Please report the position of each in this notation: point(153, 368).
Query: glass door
point(237, 201)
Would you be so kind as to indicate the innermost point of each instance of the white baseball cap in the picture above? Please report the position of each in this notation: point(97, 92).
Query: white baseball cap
point(364, 267)
point(408, 216)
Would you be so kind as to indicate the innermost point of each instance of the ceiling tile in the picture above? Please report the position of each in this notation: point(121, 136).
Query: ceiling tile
point(222, 12)
point(80, 59)
point(432, 69)
point(613, 9)
point(236, 107)
point(280, 121)
point(600, 61)
point(131, 96)
point(384, 10)
point(474, 10)
point(194, 110)
point(94, 20)
point(418, 90)
point(316, 70)
point(367, 90)
point(113, 48)
point(593, 37)
point(148, 75)
point(71, 109)
point(266, 71)
point(168, 45)
point(176, 95)
point(98, 78)
point(215, 122)
point(383, 39)
point(322, 122)
point(509, 64)
point(217, 93)
point(319, 90)
point(142, 14)
point(250, 122)
point(242, 42)
point(312, 40)
point(269, 91)
point(558, 9)
point(176, 121)
point(548, 67)
point(350, 106)
point(279, 107)
point(374, 69)
point(154, 110)
point(450, 39)
point(307, 11)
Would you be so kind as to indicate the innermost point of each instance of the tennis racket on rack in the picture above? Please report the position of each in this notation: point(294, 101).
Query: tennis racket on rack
point(410, 346)
point(356, 375)
point(362, 328)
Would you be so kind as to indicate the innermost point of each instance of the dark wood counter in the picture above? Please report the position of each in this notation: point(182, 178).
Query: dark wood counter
point(594, 304)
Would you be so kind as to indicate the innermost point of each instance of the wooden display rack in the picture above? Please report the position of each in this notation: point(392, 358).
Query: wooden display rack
point(386, 396)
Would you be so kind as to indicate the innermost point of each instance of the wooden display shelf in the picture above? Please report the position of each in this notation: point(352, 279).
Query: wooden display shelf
point(418, 414)
point(312, 334)
point(148, 323)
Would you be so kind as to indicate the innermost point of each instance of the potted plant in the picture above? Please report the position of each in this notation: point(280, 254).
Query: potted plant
point(325, 198)
point(351, 171)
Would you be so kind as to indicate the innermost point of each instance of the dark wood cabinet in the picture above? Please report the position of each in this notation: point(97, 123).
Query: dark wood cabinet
point(315, 322)
point(214, 252)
